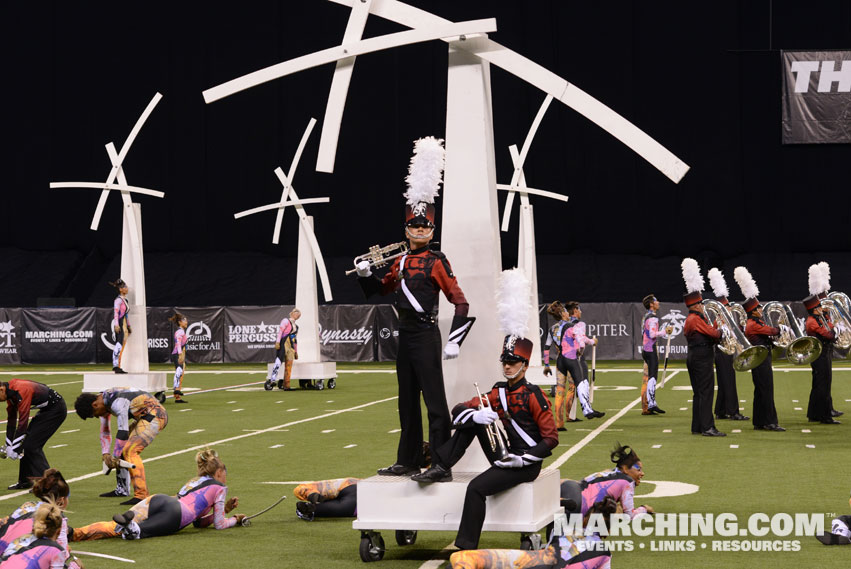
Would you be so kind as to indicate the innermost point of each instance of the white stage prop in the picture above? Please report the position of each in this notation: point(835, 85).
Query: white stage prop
point(309, 366)
point(134, 358)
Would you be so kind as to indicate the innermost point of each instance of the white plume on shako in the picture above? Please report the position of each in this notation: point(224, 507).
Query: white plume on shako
point(818, 282)
point(746, 282)
point(691, 275)
point(425, 173)
point(514, 302)
point(718, 284)
point(825, 274)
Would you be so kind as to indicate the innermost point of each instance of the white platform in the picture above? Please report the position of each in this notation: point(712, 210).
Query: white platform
point(307, 370)
point(151, 381)
point(535, 375)
point(399, 503)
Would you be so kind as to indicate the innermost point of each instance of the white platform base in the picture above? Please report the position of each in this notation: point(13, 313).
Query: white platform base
point(151, 381)
point(398, 503)
point(308, 370)
point(535, 375)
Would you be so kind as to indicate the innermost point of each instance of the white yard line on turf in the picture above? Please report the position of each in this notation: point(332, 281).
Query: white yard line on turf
point(124, 559)
point(221, 441)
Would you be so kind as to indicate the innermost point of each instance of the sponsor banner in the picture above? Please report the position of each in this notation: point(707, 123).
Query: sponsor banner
point(386, 333)
point(816, 97)
point(612, 324)
point(10, 336)
point(160, 334)
point(346, 333)
point(205, 332)
point(250, 332)
point(58, 335)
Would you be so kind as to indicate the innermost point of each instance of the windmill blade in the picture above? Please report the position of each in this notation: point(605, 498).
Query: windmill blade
point(100, 186)
point(279, 205)
point(287, 180)
point(533, 191)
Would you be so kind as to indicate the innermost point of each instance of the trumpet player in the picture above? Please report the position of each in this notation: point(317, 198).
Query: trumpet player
point(819, 409)
point(416, 279)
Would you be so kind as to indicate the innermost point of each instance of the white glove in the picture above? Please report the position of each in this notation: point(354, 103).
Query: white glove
point(363, 269)
point(10, 453)
point(784, 329)
point(451, 351)
point(510, 461)
point(485, 416)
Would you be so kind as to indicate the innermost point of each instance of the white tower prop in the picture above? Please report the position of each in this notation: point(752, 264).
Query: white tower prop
point(469, 236)
point(309, 365)
point(134, 358)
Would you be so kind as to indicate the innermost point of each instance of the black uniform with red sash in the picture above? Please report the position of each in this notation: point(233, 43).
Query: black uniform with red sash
point(764, 412)
point(417, 279)
point(819, 408)
point(701, 337)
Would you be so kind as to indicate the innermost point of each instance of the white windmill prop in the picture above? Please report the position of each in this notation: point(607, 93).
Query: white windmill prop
point(134, 359)
point(309, 366)
point(469, 230)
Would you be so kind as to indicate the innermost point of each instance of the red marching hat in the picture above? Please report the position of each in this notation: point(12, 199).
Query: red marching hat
point(811, 302)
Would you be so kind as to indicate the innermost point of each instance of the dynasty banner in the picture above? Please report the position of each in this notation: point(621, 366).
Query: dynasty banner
point(816, 97)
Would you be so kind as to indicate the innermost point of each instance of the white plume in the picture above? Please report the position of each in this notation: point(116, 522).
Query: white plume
point(691, 275)
point(825, 275)
point(817, 281)
point(425, 173)
point(746, 283)
point(514, 302)
point(719, 285)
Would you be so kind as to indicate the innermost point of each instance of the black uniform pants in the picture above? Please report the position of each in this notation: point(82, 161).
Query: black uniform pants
point(700, 373)
point(652, 361)
point(819, 406)
point(727, 401)
point(764, 412)
point(419, 370)
point(345, 505)
point(164, 516)
point(41, 428)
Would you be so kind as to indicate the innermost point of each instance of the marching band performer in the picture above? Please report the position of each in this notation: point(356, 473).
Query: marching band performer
point(758, 334)
point(819, 408)
point(178, 354)
point(727, 399)
point(287, 347)
point(518, 407)
point(650, 331)
point(824, 269)
point(120, 323)
point(573, 342)
point(701, 337)
point(417, 279)
point(564, 397)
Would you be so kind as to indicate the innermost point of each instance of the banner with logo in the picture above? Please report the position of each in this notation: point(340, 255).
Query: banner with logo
point(670, 314)
point(251, 331)
point(346, 333)
point(611, 323)
point(58, 335)
point(160, 334)
point(386, 332)
point(816, 97)
point(10, 336)
point(205, 332)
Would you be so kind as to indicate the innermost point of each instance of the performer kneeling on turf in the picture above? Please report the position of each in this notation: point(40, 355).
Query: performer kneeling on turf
point(336, 498)
point(130, 440)
point(39, 549)
point(522, 409)
point(201, 502)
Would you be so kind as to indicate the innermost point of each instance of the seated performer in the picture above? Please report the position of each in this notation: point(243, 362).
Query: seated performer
point(130, 441)
point(48, 488)
point(515, 405)
point(579, 551)
point(336, 498)
point(201, 502)
point(650, 331)
point(564, 397)
point(178, 354)
point(39, 549)
point(840, 531)
point(286, 347)
point(573, 343)
point(619, 484)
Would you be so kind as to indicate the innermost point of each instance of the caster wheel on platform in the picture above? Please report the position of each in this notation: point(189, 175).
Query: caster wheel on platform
point(530, 542)
point(160, 395)
point(371, 549)
point(304, 384)
point(269, 385)
point(553, 391)
point(320, 384)
point(332, 383)
point(406, 537)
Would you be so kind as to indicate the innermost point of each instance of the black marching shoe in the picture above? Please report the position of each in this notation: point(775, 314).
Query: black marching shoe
point(722, 417)
point(595, 414)
point(830, 422)
point(131, 502)
point(771, 427)
point(436, 473)
point(305, 511)
point(117, 369)
point(398, 470)
point(835, 413)
point(713, 432)
point(112, 494)
point(26, 485)
point(740, 417)
point(561, 429)
point(656, 410)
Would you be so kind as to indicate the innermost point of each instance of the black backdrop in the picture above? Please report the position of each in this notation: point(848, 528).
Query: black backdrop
point(703, 79)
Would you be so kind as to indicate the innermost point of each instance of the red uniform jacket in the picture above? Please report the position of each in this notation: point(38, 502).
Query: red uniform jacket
point(758, 333)
point(820, 328)
point(698, 331)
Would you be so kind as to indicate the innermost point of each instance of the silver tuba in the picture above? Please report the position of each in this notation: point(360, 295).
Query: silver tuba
point(838, 307)
point(380, 256)
point(497, 437)
point(733, 340)
point(800, 348)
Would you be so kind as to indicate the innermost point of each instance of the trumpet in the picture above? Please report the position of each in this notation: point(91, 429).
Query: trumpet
point(733, 340)
point(380, 256)
point(800, 348)
point(497, 437)
point(836, 305)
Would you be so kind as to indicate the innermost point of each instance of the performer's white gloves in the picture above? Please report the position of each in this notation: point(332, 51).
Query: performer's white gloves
point(451, 351)
point(510, 461)
point(10, 453)
point(785, 329)
point(363, 269)
point(485, 416)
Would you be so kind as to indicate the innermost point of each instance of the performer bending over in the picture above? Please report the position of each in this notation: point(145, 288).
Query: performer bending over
point(819, 408)
point(201, 502)
point(130, 440)
point(25, 439)
point(178, 354)
point(650, 331)
point(573, 344)
point(336, 498)
point(564, 398)
point(287, 348)
point(120, 324)
point(39, 549)
point(417, 278)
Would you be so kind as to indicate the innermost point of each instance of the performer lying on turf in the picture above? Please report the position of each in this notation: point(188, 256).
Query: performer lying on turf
point(840, 531)
point(567, 551)
point(618, 483)
point(39, 549)
point(200, 502)
point(49, 488)
point(336, 498)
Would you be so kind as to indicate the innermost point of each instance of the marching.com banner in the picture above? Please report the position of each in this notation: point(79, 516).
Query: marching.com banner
point(816, 97)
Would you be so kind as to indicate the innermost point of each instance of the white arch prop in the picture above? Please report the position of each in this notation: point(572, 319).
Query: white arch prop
point(290, 198)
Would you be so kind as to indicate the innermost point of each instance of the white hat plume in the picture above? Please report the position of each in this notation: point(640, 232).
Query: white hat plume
point(746, 282)
point(691, 275)
point(425, 173)
point(719, 285)
point(514, 302)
